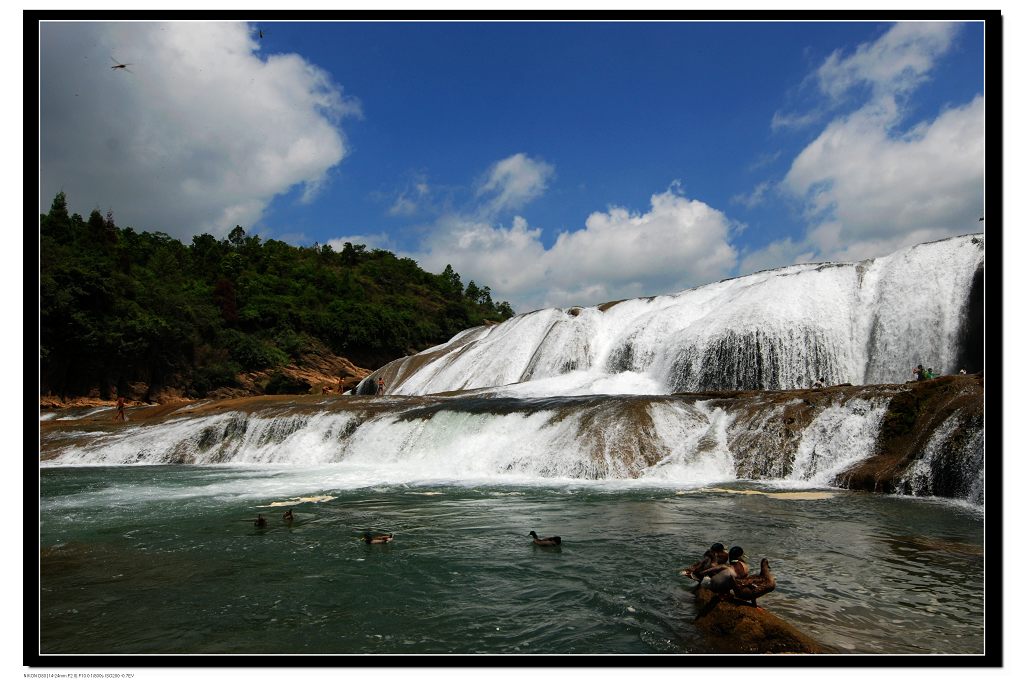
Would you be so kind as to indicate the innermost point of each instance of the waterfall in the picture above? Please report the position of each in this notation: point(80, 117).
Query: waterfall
point(858, 322)
point(840, 436)
point(684, 389)
point(952, 463)
point(584, 438)
point(654, 440)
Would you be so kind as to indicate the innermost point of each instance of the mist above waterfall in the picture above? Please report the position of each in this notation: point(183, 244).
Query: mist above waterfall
point(861, 322)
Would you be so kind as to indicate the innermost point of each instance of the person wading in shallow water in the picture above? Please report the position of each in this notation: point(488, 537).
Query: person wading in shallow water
point(119, 417)
point(380, 386)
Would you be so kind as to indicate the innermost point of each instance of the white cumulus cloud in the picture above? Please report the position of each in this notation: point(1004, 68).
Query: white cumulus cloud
point(198, 136)
point(514, 181)
point(895, 63)
point(676, 244)
point(873, 191)
point(869, 183)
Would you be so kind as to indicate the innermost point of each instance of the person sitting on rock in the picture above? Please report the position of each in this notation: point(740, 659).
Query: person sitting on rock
point(922, 375)
point(715, 556)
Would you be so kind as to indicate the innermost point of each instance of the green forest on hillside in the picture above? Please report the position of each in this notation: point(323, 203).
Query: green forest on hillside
point(119, 306)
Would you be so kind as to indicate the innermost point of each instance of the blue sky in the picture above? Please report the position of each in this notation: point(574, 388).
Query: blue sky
point(558, 163)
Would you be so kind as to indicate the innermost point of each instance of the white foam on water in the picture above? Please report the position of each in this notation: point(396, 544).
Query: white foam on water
point(583, 383)
point(87, 413)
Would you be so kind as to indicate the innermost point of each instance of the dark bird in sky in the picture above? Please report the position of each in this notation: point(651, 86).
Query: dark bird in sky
point(261, 33)
point(119, 65)
point(981, 219)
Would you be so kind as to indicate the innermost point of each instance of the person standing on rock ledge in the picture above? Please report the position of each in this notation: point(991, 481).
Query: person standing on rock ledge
point(120, 410)
point(380, 385)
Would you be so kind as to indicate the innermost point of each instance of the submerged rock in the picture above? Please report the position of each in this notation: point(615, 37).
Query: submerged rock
point(730, 627)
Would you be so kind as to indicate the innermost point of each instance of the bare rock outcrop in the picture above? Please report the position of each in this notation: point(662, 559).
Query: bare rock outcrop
point(730, 627)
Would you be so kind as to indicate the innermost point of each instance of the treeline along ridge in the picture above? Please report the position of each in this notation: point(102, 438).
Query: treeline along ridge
point(118, 306)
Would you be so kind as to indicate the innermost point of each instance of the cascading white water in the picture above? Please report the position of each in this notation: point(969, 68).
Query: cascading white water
point(654, 440)
point(576, 442)
point(585, 393)
point(700, 452)
point(840, 436)
point(946, 466)
point(864, 322)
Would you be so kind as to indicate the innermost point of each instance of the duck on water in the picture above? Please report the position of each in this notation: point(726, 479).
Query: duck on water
point(549, 541)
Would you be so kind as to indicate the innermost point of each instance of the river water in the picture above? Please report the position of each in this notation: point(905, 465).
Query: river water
point(166, 559)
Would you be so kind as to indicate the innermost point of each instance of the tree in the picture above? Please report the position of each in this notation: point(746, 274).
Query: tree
point(237, 236)
point(351, 255)
point(59, 207)
point(56, 223)
point(97, 226)
point(452, 282)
